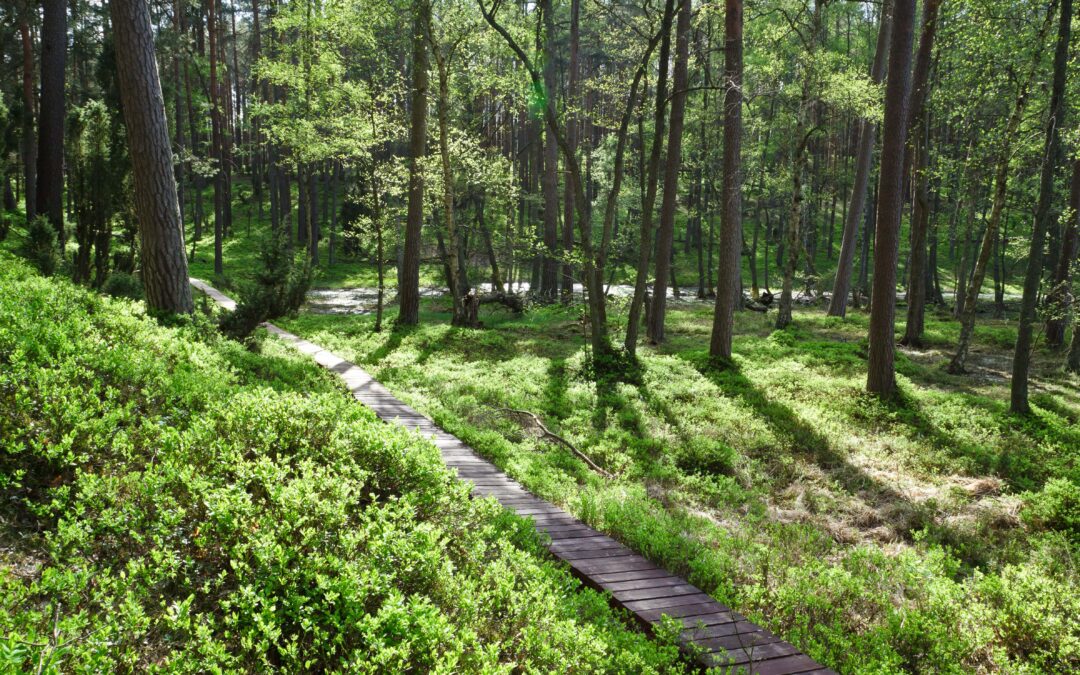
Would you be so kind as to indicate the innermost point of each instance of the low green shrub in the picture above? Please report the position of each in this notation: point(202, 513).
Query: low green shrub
point(703, 455)
point(40, 245)
point(1055, 507)
point(173, 503)
point(878, 538)
point(123, 285)
point(278, 289)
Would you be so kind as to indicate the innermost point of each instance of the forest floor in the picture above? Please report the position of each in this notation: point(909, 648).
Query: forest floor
point(176, 502)
point(937, 534)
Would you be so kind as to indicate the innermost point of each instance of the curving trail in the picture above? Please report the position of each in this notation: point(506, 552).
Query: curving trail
point(722, 638)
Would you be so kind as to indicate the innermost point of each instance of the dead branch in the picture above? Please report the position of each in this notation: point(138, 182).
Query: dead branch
point(548, 433)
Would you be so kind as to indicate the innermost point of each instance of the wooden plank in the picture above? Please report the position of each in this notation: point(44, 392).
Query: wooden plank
point(785, 665)
point(530, 510)
point(695, 611)
point(637, 584)
point(633, 574)
point(616, 565)
point(736, 640)
point(664, 603)
point(739, 626)
point(595, 554)
point(656, 592)
point(564, 532)
point(596, 543)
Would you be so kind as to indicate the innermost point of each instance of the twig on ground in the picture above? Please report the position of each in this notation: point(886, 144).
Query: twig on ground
point(548, 433)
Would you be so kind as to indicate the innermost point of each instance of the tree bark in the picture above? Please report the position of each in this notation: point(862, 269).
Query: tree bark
point(918, 147)
point(572, 141)
point(409, 290)
point(645, 242)
point(216, 140)
point(178, 108)
point(453, 268)
point(1051, 158)
point(29, 139)
point(881, 374)
point(549, 185)
point(1059, 299)
point(792, 240)
point(50, 158)
point(728, 292)
point(164, 265)
point(666, 234)
point(864, 155)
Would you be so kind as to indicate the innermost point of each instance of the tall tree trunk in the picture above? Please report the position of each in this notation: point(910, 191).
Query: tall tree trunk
point(164, 266)
point(1059, 299)
point(50, 158)
point(549, 185)
point(881, 373)
point(314, 226)
point(237, 135)
point(864, 155)
point(666, 234)
point(331, 255)
point(197, 179)
point(918, 146)
point(792, 240)
point(409, 290)
point(178, 107)
point(216, 139)
point(612, 202)
point(961, 277)
point(451, 253)
point(862, 288)
point(29, 139)
point(380, 253)
point(645, 234)
point(258, 151)
point(572, 141)
point(728, 292)
point(1072, 362)
point(1051, 159)
point(493, 259)
point(967, 319)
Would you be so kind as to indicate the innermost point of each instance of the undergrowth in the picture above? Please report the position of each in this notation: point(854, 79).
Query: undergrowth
point(934, 535)
point(175, 502)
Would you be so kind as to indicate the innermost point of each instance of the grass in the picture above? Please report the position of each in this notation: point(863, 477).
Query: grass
point(875, 537)
point(938, 534)
point(175, 502)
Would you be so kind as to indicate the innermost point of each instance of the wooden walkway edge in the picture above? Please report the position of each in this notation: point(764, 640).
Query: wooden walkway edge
point(721, 637)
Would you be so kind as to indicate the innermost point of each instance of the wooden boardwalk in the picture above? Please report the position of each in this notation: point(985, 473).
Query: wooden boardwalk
point(723, 638)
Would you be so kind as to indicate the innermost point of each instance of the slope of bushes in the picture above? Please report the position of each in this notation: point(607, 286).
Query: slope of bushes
point(174, 502)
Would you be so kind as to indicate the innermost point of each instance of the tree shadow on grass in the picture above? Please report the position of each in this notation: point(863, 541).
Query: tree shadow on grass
point(878, 495)
point(556, 402)
point(392, 342)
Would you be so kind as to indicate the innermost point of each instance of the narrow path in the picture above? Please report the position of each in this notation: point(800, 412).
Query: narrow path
point(723, 638)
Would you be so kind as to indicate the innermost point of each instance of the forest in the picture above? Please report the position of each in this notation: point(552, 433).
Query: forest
point(773, 300)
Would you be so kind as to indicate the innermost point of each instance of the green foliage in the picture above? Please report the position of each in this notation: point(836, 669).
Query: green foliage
point(1056, 507)
point(123, 285)
point(177, 503)
point(702, 455)
point(878, 538)
point(278, 289)
point(40, 245)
